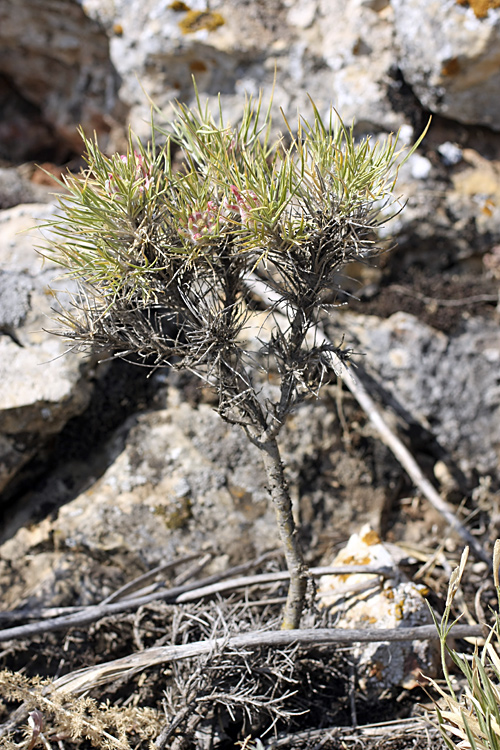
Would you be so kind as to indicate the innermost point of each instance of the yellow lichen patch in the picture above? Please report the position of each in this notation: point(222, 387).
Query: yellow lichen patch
point(354, 559)
point(179, 6)
point(399, 610)
point(364, 548)
point(480, 7)
point(343, 559)
point(488, 207)
point(195, 20)
point(175, 516)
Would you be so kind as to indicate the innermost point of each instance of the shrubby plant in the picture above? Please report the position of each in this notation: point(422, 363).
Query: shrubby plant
point(166, 261)
point(54, 713)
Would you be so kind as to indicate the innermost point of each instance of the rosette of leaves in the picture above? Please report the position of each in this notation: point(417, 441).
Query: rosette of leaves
point(165, 259)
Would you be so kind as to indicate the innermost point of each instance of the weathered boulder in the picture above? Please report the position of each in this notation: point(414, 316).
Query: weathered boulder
point(447, 384)
point(55, 75)
point(338, 52)
point(179, 480)
point(449, 55)
point(40, 388)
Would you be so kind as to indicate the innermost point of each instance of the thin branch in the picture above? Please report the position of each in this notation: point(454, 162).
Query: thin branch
point(137, 584)
point(400, 451)
point(408, 462)
point(353, 732)
point(170, 728)
point(177, 595)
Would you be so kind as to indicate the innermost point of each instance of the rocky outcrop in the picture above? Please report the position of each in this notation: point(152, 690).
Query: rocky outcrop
point(40, 388)
point(345, 53)
point(447, 384)
point(452, 62)
point(65, 64)
point(338, 52)
point(179, 480)
point(55, 75)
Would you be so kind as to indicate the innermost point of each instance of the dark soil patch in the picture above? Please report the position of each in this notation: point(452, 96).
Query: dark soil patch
point(442, 301)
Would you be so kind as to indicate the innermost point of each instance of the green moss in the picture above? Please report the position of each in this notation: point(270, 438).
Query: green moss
point(194, 20)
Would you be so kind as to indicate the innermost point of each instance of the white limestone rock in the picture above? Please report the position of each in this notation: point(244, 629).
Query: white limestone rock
point(365, 601)
point(339, 52)
point(41, 387)
point(450, 58)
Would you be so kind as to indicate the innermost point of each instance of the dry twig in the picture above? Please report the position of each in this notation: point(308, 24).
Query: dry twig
point(177, 595)
point(399, 450)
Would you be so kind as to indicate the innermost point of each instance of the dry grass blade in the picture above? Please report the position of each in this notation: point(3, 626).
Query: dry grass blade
point(474, 716)
point(86, 679)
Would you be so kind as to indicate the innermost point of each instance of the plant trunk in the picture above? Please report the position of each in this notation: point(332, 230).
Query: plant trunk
point(288, 534)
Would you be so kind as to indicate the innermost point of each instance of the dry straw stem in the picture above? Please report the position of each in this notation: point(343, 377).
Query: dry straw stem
point(396, 728)
point(85, 679)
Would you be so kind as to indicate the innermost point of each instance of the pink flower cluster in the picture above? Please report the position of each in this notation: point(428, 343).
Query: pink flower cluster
point(204, 224)
point(244, 204)
point(142, 174)
point(201, 224)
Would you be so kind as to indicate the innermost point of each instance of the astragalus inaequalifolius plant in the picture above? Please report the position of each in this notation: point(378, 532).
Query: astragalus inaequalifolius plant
point(166, 260)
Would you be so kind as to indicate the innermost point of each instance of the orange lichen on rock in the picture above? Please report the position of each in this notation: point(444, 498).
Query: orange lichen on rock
point(370, 537)
point(480, 7)
point(451, 68)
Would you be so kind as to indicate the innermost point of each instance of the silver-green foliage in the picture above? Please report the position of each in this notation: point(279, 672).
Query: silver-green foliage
point(166, 260)
point(151, 246)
